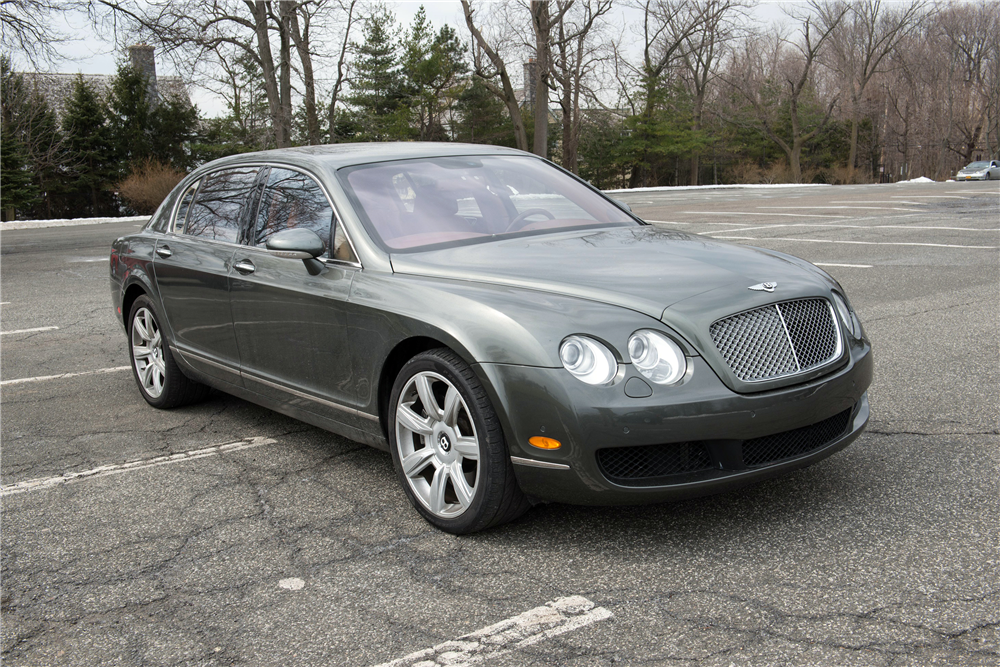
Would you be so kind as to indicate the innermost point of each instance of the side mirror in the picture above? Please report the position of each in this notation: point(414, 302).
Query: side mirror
point(622, 204)
point(304, 244)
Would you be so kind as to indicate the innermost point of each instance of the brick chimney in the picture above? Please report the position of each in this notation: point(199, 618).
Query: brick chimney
point(529, 82)
point(144, 62)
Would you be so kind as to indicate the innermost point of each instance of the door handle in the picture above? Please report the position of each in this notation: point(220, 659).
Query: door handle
point(245, 266)
point(164, 251)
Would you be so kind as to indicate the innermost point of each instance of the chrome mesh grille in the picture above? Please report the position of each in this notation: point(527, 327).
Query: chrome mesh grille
point(781, 339)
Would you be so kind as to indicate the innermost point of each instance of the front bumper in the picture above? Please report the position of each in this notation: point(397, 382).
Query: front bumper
point(700, 410)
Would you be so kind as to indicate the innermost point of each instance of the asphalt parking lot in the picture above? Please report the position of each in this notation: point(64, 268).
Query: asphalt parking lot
point(226, 534)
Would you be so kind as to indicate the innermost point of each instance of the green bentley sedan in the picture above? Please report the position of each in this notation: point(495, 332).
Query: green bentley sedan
point(506, 331)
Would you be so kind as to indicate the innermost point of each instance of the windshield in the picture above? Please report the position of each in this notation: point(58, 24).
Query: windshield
point(412, 204)
point(978, 165)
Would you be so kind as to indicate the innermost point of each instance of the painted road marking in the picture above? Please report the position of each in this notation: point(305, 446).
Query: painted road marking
point(88, 260)
point(550, 620)
point(846, 266)
point(22, 331)
point(142, 464)
point(790, 215)
point(835, 225)
point(42, 378)
point(931, 196)
point(928, 245)
point(821, 208)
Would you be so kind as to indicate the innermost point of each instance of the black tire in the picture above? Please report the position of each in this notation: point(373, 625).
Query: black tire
point(175, 388)
point(988, 177)
point(496, 497)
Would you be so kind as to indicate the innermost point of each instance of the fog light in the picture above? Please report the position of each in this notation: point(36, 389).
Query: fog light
point(544, 443)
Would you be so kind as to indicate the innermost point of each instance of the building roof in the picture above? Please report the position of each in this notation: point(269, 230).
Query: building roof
point(57, 88)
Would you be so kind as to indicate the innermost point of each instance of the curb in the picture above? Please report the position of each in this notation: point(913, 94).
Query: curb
point(71, 222)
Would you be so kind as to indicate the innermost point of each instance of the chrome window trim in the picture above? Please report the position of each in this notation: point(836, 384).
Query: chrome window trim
point(196, 184)
point(326, 193)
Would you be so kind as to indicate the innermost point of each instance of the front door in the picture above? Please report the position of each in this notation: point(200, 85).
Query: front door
point(291, 327)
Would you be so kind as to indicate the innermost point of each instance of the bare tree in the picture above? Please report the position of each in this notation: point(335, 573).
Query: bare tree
point(575, 56)
point(863, 33)
point(773, 76)
point(347, 9)
point(195, 31)
point(701, 55)
point(493, 67)
point(27, 29)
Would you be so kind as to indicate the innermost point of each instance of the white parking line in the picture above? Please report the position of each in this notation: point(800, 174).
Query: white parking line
point(822, 208)
point(21, 331)
point(42, 378)
point(836, 225)
point(846, 266)
point(770, 215)
point(929, 196)
point(877, 201)
point(928, 245)
point(104, 471)
point(550, 620)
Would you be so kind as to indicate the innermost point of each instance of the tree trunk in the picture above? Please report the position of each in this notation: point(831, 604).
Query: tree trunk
point(540, 23)
point(285, 70)
point(259, 11)
point(301, 38)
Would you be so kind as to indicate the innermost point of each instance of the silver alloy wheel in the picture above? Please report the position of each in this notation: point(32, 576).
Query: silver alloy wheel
point(147, 352)
point(437, 444)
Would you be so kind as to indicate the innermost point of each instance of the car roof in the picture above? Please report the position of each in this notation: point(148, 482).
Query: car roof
point(335, 156)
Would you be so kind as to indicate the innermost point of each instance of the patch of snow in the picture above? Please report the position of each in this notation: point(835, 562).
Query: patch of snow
point(922, 179)
point(70, 222)
point(672, 188)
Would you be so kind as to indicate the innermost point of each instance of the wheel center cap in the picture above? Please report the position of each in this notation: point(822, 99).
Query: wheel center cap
point(444, 442)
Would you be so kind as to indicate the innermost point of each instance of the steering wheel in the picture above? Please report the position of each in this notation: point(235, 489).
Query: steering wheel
point(522, 220)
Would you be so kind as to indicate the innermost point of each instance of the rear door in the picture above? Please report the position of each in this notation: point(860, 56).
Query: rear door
point(292, 327)
point(192, 266)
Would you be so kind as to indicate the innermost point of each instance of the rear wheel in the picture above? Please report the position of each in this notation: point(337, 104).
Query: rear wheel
point(160, 381)
point(448, 448)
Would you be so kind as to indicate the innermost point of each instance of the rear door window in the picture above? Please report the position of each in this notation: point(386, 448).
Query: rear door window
point(220, 204)
point(292, 200)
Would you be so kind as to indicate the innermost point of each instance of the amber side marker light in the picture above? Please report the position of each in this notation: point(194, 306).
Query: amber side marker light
point(544, 443)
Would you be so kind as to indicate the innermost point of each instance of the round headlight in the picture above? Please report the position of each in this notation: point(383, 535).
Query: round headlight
point(588, 360)
point(657, 357)
point(845, 313)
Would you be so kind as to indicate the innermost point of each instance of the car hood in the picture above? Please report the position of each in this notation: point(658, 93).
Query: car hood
point(646, 269)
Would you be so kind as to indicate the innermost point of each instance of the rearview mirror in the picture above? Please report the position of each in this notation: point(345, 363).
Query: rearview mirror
point(304, 244)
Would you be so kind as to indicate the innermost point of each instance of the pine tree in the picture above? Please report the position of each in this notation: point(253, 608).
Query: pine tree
point(18, 192)
point(482, 118)
point(174, 123)
point(89, 149)
point(432, 67)
point(129, 116)
point(377, 88)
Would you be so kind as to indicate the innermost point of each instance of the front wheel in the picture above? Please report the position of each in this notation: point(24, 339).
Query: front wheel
point(448, 448)
point(160, 381)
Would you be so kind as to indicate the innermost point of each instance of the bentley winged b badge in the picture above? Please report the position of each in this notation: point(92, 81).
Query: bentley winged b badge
point(763, 287)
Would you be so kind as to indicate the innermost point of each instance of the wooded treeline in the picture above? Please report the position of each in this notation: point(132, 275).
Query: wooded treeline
point(626, 93)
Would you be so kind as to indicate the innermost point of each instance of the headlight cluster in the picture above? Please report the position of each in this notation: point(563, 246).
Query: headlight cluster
point(851, 323)
point(654, 355)
point(588, 360)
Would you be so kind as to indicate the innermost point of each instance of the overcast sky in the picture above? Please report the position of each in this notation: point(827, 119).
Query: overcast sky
point(89, 53)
